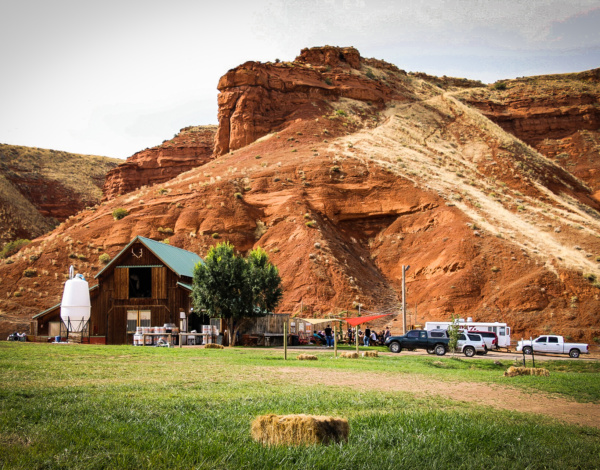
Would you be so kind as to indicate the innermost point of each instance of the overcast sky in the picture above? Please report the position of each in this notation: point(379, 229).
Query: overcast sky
point(114, 77)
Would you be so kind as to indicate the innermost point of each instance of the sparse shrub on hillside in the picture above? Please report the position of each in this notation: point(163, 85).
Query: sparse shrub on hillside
point(370, 74)
point(17, 294)
point(238, 195)
point(335, 169)
point(500, 86)
point(216, 235)
point(166, 241)
point(162, 191)
point(119, 213)
point(328, 81)
point(590, 277)
point(30, 272)
point(311, 224)
point(12, 247)
point(341, 112)
point(166, 230)
point(104, 258)
point(495, 269)
point(34, 257)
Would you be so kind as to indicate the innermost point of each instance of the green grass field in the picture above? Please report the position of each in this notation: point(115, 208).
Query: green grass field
point(124, 407)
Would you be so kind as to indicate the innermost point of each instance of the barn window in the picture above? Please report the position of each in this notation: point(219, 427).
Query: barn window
point(140, 283)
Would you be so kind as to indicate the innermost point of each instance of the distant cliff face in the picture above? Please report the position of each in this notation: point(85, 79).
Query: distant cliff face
point(256, 99)
point(39, 188)
point(190, 148)
point(558, 115)
point(344, 169)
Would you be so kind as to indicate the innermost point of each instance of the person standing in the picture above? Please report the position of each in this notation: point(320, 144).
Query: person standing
point(367, 336)
point(329, 336)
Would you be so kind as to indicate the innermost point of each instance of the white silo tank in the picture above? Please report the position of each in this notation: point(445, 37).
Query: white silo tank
point(75, 306)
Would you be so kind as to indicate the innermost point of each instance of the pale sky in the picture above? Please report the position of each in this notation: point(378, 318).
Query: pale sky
point(114, 77)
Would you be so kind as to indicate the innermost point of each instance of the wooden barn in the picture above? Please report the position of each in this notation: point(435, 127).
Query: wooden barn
point(147, 284)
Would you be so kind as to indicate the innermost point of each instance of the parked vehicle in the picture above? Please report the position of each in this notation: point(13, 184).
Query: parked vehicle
point(418, 339)
point(489, 337)
point(552, 344)
point(470, 343)
point(501, 329)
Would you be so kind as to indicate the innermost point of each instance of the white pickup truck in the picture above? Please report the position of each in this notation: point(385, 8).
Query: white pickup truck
point(552, 344)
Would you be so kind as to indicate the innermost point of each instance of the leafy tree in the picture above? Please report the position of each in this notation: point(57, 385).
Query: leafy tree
point(233, 288)
point(453, 333)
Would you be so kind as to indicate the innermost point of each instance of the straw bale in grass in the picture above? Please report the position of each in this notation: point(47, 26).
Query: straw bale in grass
point(213, 346)
point(370, 354)
point(515, 371)
point(299, 429)
point(306, 357)
point(349, 355)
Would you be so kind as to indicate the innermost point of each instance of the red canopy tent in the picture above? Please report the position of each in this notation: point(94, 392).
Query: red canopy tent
point(359, 320)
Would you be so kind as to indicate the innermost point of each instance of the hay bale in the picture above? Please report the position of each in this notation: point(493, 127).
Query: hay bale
point(349, 355)
point(306, 357)
point(299, 429)
point(370, 354)
point(515, 371)
point(213, 346)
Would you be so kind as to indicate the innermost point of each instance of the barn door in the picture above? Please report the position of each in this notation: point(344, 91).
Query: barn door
point(121, 283)
point(159, 283)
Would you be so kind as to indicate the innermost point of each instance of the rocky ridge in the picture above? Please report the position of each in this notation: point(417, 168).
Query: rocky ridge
point(190, 148)
point(344, 183)
point(40, 187)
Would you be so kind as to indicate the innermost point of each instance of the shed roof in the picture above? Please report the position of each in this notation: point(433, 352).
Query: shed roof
point(180, 261)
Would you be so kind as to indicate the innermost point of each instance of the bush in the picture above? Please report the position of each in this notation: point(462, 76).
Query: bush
point(370, 74)
point(12, 247)
point(30, 272)
point(104, 258)
point(590, 277)
point(238, 195)
point(119, 213)
point(215, 235)
point(341, 112)
point(500, 86)
point(311, 223)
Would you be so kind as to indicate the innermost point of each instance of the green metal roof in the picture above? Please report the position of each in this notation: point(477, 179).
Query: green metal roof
point(185, 286)
point(41, 314)
point(180, 261)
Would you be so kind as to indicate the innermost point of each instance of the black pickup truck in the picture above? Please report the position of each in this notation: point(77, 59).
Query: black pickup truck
point(432, 341)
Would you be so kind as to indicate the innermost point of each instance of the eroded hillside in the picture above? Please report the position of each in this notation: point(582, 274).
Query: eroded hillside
point(39, 188)
point(344, 169)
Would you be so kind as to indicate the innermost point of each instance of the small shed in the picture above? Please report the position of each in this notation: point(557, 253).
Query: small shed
point(147, 284)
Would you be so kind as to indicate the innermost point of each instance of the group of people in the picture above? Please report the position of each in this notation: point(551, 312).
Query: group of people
point(368, 338)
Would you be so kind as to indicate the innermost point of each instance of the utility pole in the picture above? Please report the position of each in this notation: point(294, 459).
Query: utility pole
point(404, 269)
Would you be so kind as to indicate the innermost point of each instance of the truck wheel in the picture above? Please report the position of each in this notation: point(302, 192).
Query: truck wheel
point(574, 353)
point(440, 349)
point(430, 350)
point(527, 350)
point(469, 351)
point(395, 347)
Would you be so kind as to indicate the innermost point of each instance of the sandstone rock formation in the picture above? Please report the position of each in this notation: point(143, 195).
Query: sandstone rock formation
point(558, 115)
point(342, 190)
point(39, 188)
point(190, 148)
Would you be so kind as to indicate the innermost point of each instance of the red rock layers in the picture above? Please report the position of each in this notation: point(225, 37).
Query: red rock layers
point(558, 115)
point(258, 98)
point(192, 147)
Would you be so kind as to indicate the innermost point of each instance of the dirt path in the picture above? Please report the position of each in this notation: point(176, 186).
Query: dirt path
point(494, 395)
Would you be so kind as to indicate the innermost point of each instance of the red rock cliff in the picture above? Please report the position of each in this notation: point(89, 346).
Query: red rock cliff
point(192, 147)
point(256, 99)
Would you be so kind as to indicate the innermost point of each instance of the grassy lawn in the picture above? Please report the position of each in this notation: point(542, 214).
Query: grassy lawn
point(125, 407)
